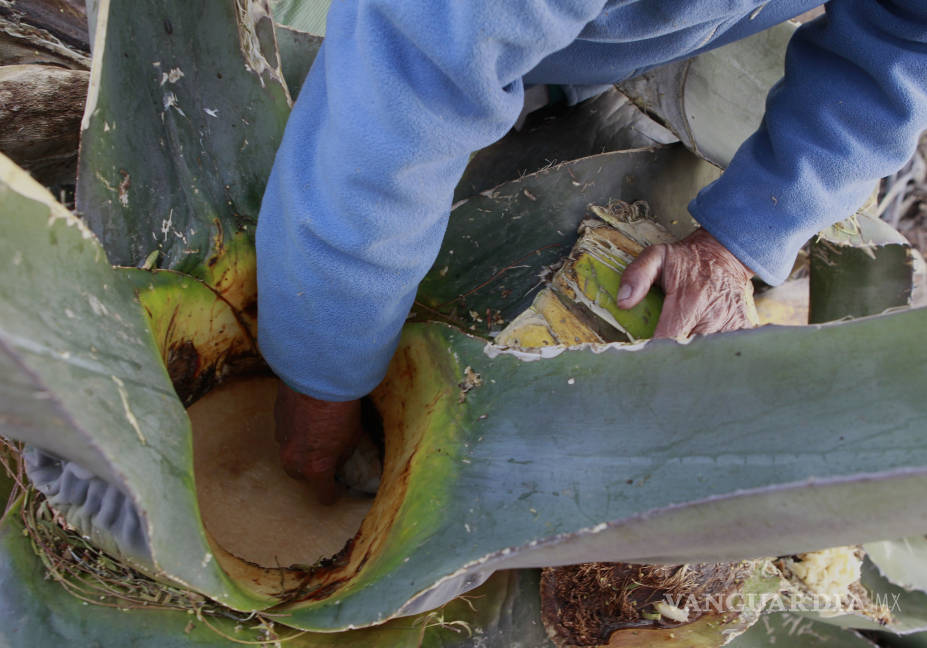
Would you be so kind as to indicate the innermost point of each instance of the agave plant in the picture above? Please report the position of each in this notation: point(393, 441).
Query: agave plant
point(498, 460)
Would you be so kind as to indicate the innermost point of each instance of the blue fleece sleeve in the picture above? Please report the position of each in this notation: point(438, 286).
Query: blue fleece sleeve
point(848, 112)
point(358, 200)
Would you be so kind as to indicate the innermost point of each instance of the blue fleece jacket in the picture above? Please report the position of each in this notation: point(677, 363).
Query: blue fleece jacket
point(402, 92)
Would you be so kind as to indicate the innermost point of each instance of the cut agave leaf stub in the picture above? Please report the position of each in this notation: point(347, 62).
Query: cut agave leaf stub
point(502, 244)
point(829, 583)
point(580, 304)
point(860, 266)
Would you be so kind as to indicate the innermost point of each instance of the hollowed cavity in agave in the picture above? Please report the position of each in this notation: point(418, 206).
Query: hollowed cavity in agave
point(250, 506)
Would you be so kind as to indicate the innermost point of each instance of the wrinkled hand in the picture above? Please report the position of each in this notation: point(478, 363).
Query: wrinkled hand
point(315, 438)
point(707, 288)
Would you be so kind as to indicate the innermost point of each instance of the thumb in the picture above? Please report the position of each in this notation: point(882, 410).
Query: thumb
point(639, 276)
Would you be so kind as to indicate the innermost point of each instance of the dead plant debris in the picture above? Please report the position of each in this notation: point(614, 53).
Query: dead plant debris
point(471, 381)
point(584, 604)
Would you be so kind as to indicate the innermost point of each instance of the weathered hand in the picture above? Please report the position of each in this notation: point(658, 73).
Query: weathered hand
point(315, 437)
point(707, 288)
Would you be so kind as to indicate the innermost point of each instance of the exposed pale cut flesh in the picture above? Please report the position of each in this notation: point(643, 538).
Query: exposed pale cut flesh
point(252, 508)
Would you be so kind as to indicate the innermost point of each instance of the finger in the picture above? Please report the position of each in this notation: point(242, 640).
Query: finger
point(313, 465)
point(676, 320)
point(319, 471)
point(280, 421)
point(639, 276)
point(283, 422)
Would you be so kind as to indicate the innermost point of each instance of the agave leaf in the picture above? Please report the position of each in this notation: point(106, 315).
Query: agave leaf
point(888, 640)
point(715, 100)
point(36, 612)
point(185, 111)
point(902, 562)
point(580, 303)
point(202, 338)
point(548, 322)
point(795, 631)
point(6, 481)
point(908, 609)
point(479, 483)
point(608, 122)
point(82, 379)
point(304, 15)
point(107, 426)
point(860, 266)
point(92, 8)
point(297, 53)
point(41, 114)
point(571, 475)
point(483, 484)
point(499, 242)
point(592, 276)
point(504, 611)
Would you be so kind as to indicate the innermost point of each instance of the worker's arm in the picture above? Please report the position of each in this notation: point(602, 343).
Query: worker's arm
point(356, 206)
point(848, 112)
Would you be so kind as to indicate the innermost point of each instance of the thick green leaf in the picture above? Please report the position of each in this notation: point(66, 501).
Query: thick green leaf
point(202, 338)
point(612, 456)
point(124, 423)
point(6, 481)
point(888, 640)
point(715, 100)
point(297, 53)
point(504, 611)
point(82, 378)
point(498, 242)
point(36, 612)
point(186, 109)
point(903, 562)
point(608, 122)
point(908, 609)
point(579, 305)
point(795, 631)
point(861, 266)
point(585, 455)
point(305, 15)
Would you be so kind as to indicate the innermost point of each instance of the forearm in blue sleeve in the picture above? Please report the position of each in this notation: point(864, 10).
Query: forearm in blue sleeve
point(848, 112)
point(358, 200)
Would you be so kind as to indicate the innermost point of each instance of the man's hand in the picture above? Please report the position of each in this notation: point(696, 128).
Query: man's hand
point(707, 288)
point(315, 438)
